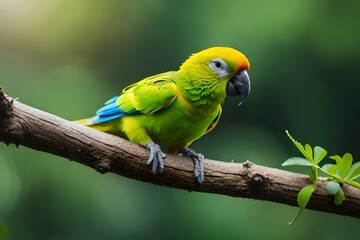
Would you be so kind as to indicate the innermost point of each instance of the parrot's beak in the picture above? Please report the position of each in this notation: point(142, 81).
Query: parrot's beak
point(239, 84)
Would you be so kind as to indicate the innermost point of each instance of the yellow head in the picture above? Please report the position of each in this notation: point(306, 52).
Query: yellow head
point(233, 59)
point(215, 73)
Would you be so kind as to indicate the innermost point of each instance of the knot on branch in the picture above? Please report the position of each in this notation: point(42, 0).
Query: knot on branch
point(103, 166)
point(257, 181)
point(5, 105)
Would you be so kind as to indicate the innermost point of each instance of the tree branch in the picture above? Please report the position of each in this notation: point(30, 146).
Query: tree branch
point(24, 125)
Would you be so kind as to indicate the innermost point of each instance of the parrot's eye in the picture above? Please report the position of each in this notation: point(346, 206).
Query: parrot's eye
point(219, 66)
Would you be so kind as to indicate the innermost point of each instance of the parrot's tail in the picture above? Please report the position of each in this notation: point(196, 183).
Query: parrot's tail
point(110, 127)
point(86, 122)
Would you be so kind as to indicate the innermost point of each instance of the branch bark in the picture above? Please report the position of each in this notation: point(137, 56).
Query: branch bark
point(24, 125)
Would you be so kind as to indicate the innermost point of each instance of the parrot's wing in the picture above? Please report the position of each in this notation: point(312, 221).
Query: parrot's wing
point(144, 97)
point(149, 95)
point(214, 122)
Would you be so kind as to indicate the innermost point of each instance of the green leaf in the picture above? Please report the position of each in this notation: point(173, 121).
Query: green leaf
point(347, 160)
point(337, 158)
point(354, 172)
point(330, 168)
point(332, 187)
point(304, 195)
point(309, 153)
point(296, 216)
point(339, 164)
point(297, 144)
point(302, 199)
point(343, 164)
point(319, 154)
point(339, 197)
point(297, 161)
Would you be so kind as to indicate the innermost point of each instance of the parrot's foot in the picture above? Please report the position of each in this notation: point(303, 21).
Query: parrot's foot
point(156, 157)
point(198, 159)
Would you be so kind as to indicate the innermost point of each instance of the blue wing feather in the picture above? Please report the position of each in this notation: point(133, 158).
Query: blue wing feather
point(108, 109)
point(109, 112)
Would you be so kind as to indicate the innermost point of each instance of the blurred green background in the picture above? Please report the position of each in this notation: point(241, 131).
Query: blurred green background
point(68, 57)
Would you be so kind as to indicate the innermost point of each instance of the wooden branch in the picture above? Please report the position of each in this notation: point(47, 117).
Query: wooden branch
point(24, 125)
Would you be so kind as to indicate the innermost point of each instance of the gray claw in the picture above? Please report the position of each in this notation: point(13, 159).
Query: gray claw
point(198, 159)
point(156, 157)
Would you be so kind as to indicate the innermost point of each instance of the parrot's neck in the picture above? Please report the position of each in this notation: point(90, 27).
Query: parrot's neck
point(204, 98)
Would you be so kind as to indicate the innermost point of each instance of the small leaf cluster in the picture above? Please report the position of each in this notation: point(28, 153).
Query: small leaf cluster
point(340, 172)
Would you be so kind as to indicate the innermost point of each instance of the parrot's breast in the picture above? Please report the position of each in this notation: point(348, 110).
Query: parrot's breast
point(176, 125)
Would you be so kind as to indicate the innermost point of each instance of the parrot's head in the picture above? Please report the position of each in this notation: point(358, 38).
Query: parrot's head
point(218, 72)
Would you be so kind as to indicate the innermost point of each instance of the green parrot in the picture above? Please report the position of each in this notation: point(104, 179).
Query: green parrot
point(173, 109)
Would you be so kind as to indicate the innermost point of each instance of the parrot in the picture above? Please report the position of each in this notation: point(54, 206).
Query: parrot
point(171, 110)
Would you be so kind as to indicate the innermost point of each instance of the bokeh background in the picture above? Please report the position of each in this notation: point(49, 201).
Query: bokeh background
point(68, 57)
